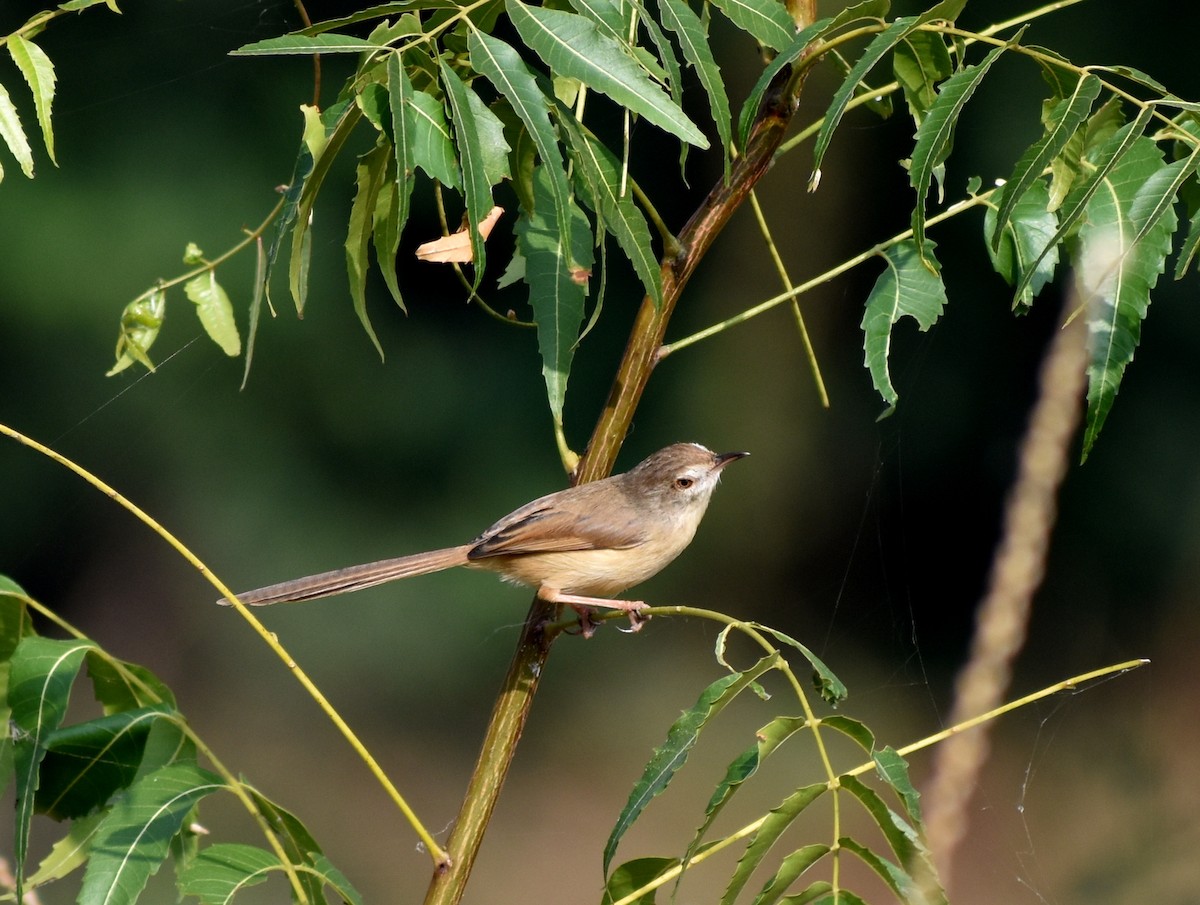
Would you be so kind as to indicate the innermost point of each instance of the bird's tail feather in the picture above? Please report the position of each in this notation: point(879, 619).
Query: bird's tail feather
point(355, 578)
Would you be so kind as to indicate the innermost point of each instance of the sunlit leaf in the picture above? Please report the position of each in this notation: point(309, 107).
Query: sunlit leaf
point(220, 871)
point(908, 287)
point(215, 311)
point(69, 853)
point(13, 134)
point(573, 46)
point(1101, 159)
point(681, 738)
point(766, 20)
point(42, 673)
point(1124, 241)
point(1062, 122)
point(38, 71)
point(327, 42)
point(134, 838)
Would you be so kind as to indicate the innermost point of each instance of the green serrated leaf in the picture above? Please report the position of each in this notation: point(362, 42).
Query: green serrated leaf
point(331, 876)
point(1187, 251)
point(215, 311)
point(392, 209)
point(777, 820)
point(766, 20)
point(501, 65)
point(598, 175)
point(908, 287)
point(298, 844)
point(744, 766)
point(875, 51)
point(1062, 122)
point(68, 854)
point(919, 63)
point(892, 768)
point(14, 134)
point(633, 875)
point(832, 690)
point(38, 72)
point(135, 836)
point(681, 738)
point(478, 161)
point(783, 59)
point(1123, 245)
point(86, 763)
point(790, 869)
point(902, 838)
point(368, 176)
point(327, 42)
point(220, 871)
point(573, 46)
point(1029, 229)
point(256, 300)
point(557, 287)
point(935, 135)
point(42, 673)
point(1101, 159)
point(679, 17)
point(852, 729)
point(338, 121)
point(610, 16)
point(900, 883)
point(432, 147)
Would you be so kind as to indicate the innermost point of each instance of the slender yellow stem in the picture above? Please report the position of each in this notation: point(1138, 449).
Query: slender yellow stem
point(439, 857)
point(848, 264)
point(780, 268)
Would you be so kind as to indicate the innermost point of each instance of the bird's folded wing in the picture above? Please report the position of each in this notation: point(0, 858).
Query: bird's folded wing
point(554, 529)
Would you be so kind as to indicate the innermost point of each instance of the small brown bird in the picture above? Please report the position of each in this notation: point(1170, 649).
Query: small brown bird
point(579, 546)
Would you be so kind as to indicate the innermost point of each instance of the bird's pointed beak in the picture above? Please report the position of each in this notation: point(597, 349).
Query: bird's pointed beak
point(725, 458)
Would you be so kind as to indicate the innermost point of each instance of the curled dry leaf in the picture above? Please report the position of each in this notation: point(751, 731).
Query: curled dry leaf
point(456, 247)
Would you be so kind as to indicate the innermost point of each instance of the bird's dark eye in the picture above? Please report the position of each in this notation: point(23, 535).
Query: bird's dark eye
point(684, 483)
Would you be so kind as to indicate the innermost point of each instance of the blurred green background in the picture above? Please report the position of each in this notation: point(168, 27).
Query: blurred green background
point(868, 540)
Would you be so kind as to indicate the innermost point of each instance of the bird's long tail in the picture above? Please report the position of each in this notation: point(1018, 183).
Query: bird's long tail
point(355, 578)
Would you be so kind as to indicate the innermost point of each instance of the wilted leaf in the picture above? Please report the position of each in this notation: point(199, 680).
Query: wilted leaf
point(456, 247)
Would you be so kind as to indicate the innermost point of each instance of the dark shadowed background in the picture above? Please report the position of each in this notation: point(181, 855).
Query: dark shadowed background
point(868, 540)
